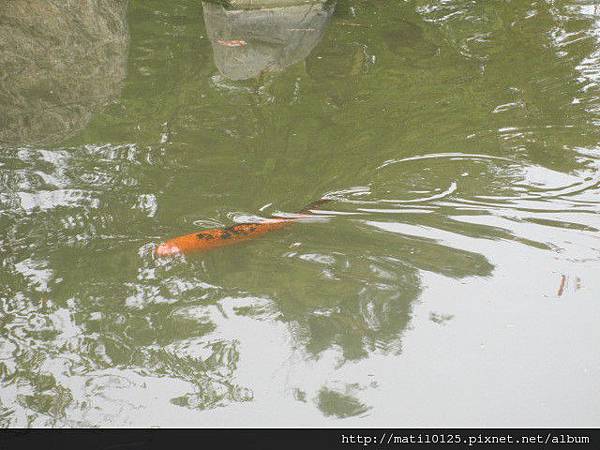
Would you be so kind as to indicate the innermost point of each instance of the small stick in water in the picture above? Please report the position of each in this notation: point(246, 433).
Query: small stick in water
point(561, 288)
point(232, 42)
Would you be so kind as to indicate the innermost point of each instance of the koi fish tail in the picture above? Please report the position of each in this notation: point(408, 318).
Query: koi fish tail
point(314, 205)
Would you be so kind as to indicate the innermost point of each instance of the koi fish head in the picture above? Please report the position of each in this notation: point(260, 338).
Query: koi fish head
point(167, 249)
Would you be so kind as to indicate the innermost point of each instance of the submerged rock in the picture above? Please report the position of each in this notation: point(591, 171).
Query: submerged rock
point(60, 61)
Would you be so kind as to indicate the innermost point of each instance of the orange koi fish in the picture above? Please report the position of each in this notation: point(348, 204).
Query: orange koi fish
point(205, 240)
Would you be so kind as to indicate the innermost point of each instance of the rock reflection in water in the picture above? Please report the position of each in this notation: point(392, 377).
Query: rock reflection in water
point(248, 41)
point(60, 62)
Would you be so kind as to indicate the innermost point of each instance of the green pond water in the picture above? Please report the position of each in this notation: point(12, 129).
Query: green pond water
point(452, 280)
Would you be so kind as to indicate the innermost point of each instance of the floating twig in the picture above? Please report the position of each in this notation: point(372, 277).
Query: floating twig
point(232, 42)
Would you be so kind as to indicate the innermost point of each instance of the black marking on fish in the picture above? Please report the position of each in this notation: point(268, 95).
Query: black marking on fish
point(243, 229)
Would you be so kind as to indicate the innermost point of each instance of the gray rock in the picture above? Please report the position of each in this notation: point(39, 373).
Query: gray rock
point(250, 40)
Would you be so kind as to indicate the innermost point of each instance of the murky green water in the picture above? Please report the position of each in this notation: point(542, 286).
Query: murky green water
point(453, 281)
